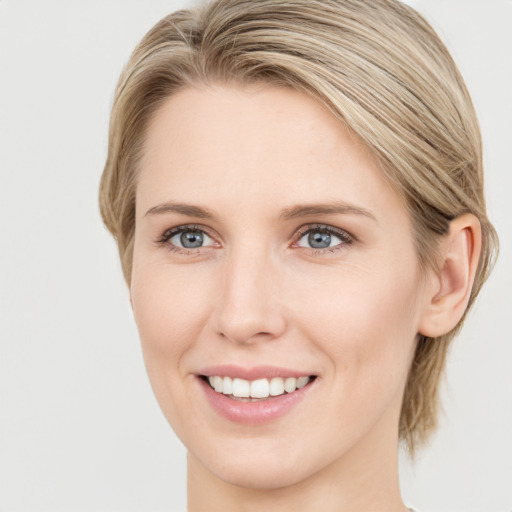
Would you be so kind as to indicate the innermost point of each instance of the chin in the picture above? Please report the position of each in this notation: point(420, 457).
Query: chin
point(249, 463)
point(260, 476)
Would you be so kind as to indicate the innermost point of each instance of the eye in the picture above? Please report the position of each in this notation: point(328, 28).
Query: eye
point(190, 239)
point(186, 237)
point(323, 237)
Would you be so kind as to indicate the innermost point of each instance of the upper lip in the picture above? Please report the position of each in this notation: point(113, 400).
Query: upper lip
point(253, 373)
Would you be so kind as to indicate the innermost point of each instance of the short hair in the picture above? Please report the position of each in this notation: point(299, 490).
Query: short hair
point(379, 68)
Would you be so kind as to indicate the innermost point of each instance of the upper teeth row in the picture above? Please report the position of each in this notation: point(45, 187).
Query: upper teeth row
point(261, 388)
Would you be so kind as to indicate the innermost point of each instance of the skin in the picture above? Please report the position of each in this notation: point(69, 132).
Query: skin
point(257, 294)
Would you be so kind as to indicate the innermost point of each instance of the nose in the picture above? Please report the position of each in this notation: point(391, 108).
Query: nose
point(249, 309)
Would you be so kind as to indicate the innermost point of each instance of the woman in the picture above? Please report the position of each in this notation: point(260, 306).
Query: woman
point(296, 191)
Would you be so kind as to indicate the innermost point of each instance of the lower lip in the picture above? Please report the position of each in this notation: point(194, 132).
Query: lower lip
point(254, 413)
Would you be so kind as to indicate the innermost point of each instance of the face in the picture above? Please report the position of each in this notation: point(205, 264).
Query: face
point(272, 256)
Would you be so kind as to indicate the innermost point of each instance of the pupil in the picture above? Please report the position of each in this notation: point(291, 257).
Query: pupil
point(192, 239)
point(319, 240)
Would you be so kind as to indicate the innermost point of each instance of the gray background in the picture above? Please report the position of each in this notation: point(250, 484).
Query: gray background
point(79, 427)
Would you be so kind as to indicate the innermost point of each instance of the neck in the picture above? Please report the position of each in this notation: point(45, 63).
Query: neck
point(366, 479)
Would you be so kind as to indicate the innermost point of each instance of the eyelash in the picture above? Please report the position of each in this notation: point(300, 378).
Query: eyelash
point(167, 235)
point(346, 238)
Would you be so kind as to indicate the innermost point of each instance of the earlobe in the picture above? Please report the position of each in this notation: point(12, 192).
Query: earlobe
point(449, 297)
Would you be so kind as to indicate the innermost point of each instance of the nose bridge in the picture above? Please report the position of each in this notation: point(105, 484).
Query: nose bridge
point(248, 308)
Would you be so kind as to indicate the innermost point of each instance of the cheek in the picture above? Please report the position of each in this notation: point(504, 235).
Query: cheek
point(364, 327)
point(364, 321)
point(170, 310)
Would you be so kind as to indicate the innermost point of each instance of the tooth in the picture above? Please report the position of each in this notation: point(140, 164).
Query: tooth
point(302, 381)
point(241, 388)
point(276, 386)
point(227, 386)
point(259, 388)
point(290, 384)
point(217, 383)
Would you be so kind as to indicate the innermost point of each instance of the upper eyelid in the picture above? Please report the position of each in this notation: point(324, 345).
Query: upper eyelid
point(320, 226)
point(300, 231)
point(342, 233)
point(168, 233)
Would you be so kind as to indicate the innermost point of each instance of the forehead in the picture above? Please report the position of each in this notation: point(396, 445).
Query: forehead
point(234, 144)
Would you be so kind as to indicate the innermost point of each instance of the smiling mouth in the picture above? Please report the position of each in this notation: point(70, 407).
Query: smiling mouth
point(256, 390)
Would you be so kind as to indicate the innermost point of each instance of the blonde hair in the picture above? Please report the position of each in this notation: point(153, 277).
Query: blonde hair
point(378, 66)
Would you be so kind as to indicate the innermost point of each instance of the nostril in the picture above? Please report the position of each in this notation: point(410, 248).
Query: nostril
point(246, 336)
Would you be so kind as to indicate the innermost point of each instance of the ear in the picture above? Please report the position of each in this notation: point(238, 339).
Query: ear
point(451, 285)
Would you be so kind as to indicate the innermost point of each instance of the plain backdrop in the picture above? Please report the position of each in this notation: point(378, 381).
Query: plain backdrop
point(80, 430)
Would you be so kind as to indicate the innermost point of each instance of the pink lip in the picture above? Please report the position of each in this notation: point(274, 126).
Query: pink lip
point(257, 372)
point(253, 413)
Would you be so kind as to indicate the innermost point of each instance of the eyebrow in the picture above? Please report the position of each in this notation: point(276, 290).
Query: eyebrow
point(324, 209)
point(292, 212)
point(185, 209)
